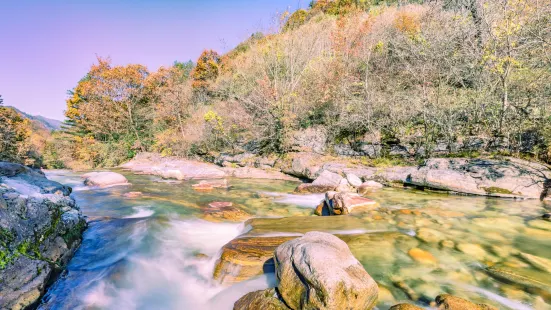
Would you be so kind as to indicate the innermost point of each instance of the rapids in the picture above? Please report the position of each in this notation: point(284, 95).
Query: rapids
point(154, 252)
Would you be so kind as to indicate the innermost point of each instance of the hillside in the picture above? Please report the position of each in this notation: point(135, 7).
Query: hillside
point(341, 78)
point(48, 123)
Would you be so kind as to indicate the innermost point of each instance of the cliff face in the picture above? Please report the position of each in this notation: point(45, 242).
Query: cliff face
point(40, 229)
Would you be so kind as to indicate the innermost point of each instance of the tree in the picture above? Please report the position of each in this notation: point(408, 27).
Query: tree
point(111, 104)
point(206, 70)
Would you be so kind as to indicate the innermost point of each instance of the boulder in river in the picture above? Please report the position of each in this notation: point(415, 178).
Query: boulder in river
point(40, 229)
point(315, 271)
point(368, 187)
point(513, 178)
point(343, 203)
point(104, 179)
point(306, 279)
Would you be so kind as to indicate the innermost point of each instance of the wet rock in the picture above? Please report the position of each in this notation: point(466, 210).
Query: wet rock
point(266, 300)
point(104, 178)
point(353, 179)
point(422, 256)
point(343, 203)
point(133, 195)
point(210, 185)
point(449, 302)
point(224, 211)
point(307, 281)
point(528, 279)
point(246, 257)
point(500, 178)
point(546, 216)
point(322, 209)
point(540, 263)
point(40, 229)
point(405, 307)
point(447, 244)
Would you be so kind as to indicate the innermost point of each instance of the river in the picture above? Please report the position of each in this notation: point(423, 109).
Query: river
point(154, 252)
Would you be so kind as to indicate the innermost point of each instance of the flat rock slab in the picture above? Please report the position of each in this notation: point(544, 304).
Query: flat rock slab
point(512, 178)
point(104, 179)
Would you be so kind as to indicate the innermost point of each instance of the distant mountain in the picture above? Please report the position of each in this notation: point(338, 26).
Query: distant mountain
point(48, 123)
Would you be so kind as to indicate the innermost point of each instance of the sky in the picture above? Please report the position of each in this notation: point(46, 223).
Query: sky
point(47, 46)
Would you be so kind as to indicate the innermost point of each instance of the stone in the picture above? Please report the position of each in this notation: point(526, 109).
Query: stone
point(309, 188)
point(353, 179)
point(266, 300)
point(307, 281)
point(202, 186)
point(256, 173)
point(173, 167)
point(104, 179)
point(512, 178)
point(422, 256)
point(449, 302)
point(524, 278)
point(322, 209)
point(328, 178)
point(246, 257)
point(133, 195)
point(224, 211)
point(368, 187)
point(311, 139)
point(447, 244)
point(344, 203)
point(405, 307)
point(302, 165)
point(546, 216)
point(37, 242)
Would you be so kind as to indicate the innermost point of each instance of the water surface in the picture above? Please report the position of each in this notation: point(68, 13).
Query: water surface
point(154, 252)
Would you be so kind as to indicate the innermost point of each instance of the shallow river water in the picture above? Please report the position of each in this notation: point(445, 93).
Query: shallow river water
point(143, 253)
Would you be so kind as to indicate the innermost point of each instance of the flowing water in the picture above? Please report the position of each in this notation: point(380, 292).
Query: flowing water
point(154, 252)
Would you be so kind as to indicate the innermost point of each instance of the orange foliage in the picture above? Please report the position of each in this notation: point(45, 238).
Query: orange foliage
point(206, 70)
point(407, 23)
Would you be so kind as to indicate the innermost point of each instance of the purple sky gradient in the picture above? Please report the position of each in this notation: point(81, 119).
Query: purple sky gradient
point(46, 47)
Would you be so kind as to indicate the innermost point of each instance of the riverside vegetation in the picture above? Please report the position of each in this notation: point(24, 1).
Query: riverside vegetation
point(362, 78)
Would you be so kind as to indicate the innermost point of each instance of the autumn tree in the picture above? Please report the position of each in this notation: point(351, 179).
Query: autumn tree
point(206, 70)
point(111, 104)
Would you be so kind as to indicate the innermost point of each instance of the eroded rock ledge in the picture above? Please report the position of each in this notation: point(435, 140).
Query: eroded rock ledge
point(40, 229)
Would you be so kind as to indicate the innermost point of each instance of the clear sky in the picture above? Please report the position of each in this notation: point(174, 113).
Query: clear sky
point(47, 46)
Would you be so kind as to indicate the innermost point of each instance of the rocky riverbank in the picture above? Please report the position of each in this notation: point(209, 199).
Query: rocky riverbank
point(504, 177)
point(40, 229)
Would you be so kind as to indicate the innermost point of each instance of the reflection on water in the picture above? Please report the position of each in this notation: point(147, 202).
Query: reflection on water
point(153, 252)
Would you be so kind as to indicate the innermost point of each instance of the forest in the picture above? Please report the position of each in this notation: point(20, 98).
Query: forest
point(427, 76)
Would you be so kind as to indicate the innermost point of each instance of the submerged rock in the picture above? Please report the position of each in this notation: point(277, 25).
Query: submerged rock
point(133, 195)
point(405, 307)
point(449, 302)
point(307, 281)
point(224, 211)
point(104, 178)
point(40, 229)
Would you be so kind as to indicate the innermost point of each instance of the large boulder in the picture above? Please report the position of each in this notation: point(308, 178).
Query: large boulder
point(40, 229)
point(104, 179)
point(173, 167)
point(318, 271)
point(302, 165)
point(326, 181)
point(312, 139)
point(512, 178)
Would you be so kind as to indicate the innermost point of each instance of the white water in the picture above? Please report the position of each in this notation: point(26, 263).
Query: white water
point(141, 212)
point(308, 201)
